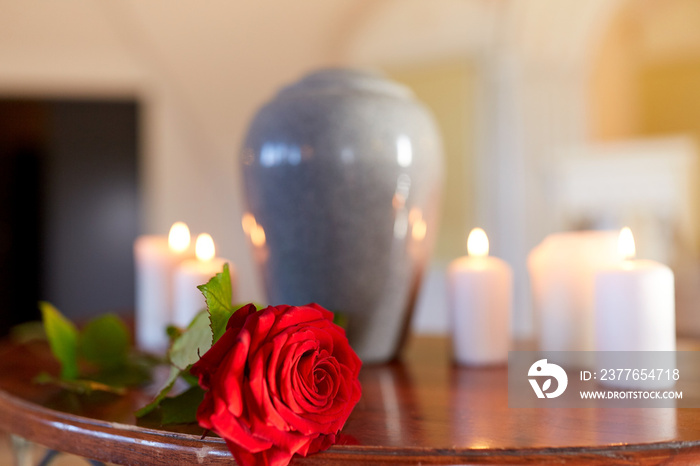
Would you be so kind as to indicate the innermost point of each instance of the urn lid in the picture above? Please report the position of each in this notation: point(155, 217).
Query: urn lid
point(344, 80)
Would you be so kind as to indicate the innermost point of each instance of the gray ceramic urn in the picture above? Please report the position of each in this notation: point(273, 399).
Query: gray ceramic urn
point(342, 173)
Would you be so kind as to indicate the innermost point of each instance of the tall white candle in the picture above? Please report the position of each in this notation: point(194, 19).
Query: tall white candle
point(480, 292)
point(155, 260)
point(635, 303)
point(562, 271)
point(194, 272)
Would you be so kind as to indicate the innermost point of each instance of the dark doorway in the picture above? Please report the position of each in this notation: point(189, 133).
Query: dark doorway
point(68, 207)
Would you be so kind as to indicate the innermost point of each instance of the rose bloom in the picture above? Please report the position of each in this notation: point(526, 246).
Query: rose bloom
point(280, 381)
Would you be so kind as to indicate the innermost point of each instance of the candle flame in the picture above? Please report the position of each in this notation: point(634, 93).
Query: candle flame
point(204, 247)
point(478, 243)
point(257, 236)
point(249, 223)
point(625, 244)
point(179, 237)
point(420, 228)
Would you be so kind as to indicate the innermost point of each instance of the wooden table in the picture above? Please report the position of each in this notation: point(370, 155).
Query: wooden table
point(419, 410)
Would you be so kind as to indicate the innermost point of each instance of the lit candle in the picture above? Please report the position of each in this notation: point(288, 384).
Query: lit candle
point(194, 272)
point(634, 303)
point(155, 260)
point(562, 272)
point(480, 292)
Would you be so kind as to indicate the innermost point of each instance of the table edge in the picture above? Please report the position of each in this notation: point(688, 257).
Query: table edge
point(124, 443)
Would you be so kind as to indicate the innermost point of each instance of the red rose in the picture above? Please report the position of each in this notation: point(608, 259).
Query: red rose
point(280, 381)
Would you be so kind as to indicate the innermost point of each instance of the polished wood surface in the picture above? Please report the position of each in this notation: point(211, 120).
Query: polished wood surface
point(421, 409)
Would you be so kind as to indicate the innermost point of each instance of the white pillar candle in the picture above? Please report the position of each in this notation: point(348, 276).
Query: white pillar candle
point(480, 292)
point(635, 304)
point(155, 260)
point(562, 271)
point(192, 273)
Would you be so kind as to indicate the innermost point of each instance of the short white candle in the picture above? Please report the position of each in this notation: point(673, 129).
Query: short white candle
point(155, 260)
point(480, 296)
point(634, 304)
point(194, 272)
point(562, 272)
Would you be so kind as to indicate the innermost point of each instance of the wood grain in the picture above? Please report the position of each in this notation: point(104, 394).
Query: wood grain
point(419, 410)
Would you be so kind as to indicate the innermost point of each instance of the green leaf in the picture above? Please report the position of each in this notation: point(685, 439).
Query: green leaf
point(169, 383)
point(341, 319)
point(28, 331)
point(63, 339)
point(190, 379)
point(128, 375)
point(173, 332)
point(104, 341)
point(218, 296)
point(79, 386)
point(182, 409)
point(193, 343)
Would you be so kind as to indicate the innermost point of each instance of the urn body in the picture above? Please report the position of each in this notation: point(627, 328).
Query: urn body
point(342, 174)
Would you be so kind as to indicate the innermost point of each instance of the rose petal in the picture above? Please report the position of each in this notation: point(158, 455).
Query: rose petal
point(273, 456)
point(322, 442)
point(238, 318)
point(207, 364)
point(287, 370)
point(290, 440)
point(259, 326)
point(295, 317)
point(260, 388)
point(233, 428)
point(279, 342)
point(316, 390)
point(229, 381)
point(328, 315)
